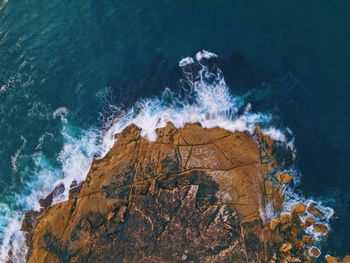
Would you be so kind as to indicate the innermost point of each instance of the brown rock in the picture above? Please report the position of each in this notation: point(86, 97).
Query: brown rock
point(74, 191)
point(110, 216)
point(320, 228)
point(330, 259)
point(298, 209)
point(314, 252)
point(29, 221)
point(121, 214)
point(286, 247)
point(194, 194)
point(346, 259)
point(312, 209)
point(285, 226)
point(284, 218)
point(307, 239)
point(283, 178)
point(274, 223)
point(309, 221)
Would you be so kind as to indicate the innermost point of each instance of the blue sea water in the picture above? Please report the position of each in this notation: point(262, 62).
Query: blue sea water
point(69, 68)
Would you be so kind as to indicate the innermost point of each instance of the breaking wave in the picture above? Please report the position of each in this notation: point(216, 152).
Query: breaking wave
point(203, 97)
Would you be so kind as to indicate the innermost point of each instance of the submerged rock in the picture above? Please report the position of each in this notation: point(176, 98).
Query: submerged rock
point(193, 195)
point(47, 201)
point(283, 178)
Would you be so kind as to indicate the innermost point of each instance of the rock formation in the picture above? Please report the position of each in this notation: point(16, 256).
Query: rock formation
point(193, 195)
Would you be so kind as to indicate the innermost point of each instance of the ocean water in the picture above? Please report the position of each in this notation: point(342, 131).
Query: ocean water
point(72, 73)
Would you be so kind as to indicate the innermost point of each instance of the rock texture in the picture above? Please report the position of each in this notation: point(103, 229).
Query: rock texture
point(194, 195)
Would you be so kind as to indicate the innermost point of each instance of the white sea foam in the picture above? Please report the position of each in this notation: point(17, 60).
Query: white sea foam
point(208, 102)
point(275, 134)
point(205, 54)
point(17, 154)
point(61, 111)
point(186, 61)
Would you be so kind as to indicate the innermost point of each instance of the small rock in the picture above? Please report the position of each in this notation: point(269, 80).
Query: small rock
point(278, 177)
point(288, 258)
point(74, 191)
point(314, 252)
point(298, 243)
point(284, 227)
point(294, 231)
point(284, 218)
point(274, 223)
point(320, 228)
point(29, 221)
point(307, 239)
point(152, 187)
point(299, 208)
point(309, 221)
point(73, 184)
point(346, 259)
point(121, 214)
point(312, 209)
point(47, 201)
point(110, 216)
point(112, 205)
point(286, 247)
point(286, 178)
point(330, 259)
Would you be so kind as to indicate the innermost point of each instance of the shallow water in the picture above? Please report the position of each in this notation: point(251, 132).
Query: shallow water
point(68, 67)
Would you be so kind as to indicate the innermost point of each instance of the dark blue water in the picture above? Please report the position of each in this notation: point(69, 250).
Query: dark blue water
point(81, 56)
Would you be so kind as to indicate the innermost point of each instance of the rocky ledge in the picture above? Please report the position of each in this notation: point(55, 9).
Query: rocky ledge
point(193, 195)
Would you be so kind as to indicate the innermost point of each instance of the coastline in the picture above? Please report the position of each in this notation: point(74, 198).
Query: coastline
point(284, 236)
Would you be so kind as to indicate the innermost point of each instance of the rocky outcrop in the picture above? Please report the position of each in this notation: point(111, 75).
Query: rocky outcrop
point(193, 195)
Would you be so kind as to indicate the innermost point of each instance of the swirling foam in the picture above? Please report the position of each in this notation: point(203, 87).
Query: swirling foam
point(207, 101)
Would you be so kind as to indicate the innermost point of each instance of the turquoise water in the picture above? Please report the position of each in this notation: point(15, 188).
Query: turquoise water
point(68, 67)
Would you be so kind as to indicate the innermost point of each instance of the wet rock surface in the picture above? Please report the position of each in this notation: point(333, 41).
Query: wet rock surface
point(193, 195)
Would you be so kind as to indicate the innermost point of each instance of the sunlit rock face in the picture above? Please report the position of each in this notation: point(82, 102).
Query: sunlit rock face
point(193, 195)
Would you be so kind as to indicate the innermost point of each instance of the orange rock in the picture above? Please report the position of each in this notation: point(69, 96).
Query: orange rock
point(299, 208)
point(278, 177)
point(152, 187)
point(299, 243)
point(312, 209)
point(110, 216)
point(346, 259)
point(314, 252)
point(309, 221)
point(284, 226)
point(330, 259)
point(286, 247)
point(288, 258)
point(320, 228)
point(284, 178)
point(284, 218)
point(121, 214)
point(274, 223)
point(307, 239)
point(294, 231)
